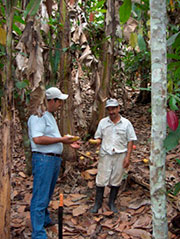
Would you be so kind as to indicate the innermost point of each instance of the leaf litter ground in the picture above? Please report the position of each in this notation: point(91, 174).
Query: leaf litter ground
point(77, 183)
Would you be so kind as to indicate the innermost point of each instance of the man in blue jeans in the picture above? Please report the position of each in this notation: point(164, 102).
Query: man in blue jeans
point(47, 146)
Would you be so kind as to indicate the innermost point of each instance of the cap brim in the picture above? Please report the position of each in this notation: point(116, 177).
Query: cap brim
point(63, 97)
point(111, 105)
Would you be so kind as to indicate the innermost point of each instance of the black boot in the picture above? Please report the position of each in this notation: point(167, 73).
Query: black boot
point(112, 198)
point(98, 200)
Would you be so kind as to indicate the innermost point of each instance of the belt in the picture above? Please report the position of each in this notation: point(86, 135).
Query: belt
point(49, 154)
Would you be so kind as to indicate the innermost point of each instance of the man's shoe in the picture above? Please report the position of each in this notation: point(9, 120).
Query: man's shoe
point(112, 198)
point(98, 199)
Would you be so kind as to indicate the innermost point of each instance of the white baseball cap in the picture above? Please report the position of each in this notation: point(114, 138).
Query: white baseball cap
point(112, 103)
point(54, 92)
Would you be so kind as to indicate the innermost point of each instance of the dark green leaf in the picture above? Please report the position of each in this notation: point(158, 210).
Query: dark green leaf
point(172, 39)
point(172, 103)
point(32, 8)
point(141, 43)
point(173, 65)
point(178, 161)
point(16, 29)
point(177, 73)
point(173, 56)
point(176, 188)
point(21, 84)
point(172, 139)
point(19, 19)
point(125, 11)
point(65, 49)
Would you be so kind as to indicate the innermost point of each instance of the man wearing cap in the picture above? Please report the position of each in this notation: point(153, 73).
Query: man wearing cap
point(116, 135)
point(47, 146)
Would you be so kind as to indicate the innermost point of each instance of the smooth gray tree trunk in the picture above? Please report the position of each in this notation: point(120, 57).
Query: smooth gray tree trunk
point(158, 130)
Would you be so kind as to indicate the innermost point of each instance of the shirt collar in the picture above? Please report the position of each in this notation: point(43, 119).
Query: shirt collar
point(109, 120)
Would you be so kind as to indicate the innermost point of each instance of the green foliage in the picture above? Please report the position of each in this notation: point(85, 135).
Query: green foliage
point(173, 44)
point(17, 19)
point(171, 142)
point(141, 43)
point(125, 11)
point(173, 99)
point(32, 8)
point(98, 8)
point(135, 62)
point(172, 139)
point(172, 39)
point(22, 84)
point(176, 189)
point(55, 57)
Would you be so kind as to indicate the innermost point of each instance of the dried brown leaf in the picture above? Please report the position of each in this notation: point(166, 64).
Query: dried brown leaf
point(138, 233)
point(91, 229)
point(79, 210)
point(86, 175)
point(92, 171)
point(22, 175)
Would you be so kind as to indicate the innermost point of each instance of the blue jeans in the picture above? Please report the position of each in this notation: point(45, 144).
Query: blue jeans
point(45, 171)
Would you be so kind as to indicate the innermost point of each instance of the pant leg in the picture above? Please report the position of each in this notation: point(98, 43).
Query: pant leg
point(104, 170)
point(43, 173)
point(56, 170)
point(117, 169)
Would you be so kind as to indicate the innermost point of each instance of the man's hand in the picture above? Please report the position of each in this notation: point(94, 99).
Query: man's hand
point(126, 162)
point(75, 145)
point(69, 139)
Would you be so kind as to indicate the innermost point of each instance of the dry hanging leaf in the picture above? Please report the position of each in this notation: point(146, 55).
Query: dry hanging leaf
point(2, 36)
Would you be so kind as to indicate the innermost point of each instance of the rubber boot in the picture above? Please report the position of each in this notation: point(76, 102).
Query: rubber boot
point(112, 198)
point(98, 199)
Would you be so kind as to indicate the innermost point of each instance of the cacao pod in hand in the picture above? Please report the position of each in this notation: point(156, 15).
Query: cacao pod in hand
point(172, 120)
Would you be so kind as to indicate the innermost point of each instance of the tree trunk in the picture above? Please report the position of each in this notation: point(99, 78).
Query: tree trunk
point(66, 122)
point(6, 131)
point(25, 138)
point(158, 130)
point(105, 66)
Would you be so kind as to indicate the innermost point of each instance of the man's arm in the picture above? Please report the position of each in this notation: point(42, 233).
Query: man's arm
point(128, 155)
point(45, 140)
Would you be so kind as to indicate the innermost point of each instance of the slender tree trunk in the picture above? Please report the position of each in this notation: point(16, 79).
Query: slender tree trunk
point(66, 122)
point(6, 131)
point(105, 66)
point(158, 131)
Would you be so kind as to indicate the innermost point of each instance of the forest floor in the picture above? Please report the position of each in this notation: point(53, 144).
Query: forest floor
point(77, 183)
